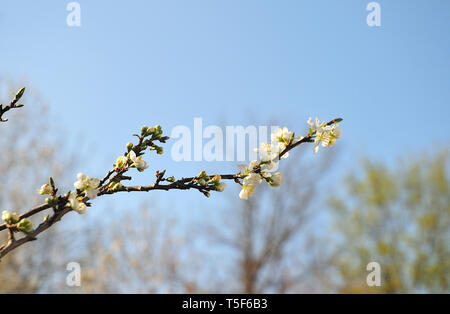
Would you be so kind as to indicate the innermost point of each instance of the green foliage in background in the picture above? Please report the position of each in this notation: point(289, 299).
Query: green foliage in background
point(399, 218)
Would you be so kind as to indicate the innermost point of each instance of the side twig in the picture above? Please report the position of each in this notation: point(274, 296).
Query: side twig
point(13, 105)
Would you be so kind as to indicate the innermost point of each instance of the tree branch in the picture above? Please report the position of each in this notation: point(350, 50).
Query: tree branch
point(111, 183)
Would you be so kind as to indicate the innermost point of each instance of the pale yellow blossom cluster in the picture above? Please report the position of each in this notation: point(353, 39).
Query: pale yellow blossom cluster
point(89, 186)
point(270, 153)
point(86, 187)
point(132, 161)
point(324, 133)
point(258, 170)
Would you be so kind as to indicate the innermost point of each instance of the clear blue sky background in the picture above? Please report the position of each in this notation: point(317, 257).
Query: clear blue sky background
point(240, 62)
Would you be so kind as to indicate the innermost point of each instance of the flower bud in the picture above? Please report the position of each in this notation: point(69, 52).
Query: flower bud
point(45, 189)
point(276, 179)
point(144, 130)
point(202, 182)
point(19, 94)
point(156, 132)
point(10, 218)
point(216, 178)
point(171, 179)
point(51, 201)
point(159, 150)
point(220, 187)
point(121, 162)
point(25, 225)
point(150, 131)
point(129, 146)
point(201, 174)
point(115, 186)
point(52, 183)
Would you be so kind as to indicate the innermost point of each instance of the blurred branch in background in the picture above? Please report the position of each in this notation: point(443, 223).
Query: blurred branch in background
point(139, 255)
point(269, 230)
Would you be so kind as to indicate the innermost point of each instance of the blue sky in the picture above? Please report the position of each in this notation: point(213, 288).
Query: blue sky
point(236, 62)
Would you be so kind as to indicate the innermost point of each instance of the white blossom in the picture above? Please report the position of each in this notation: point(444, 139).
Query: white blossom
point(121, 161)
point(140, 164)
point(267, 151)
point(90, 186)
point(252, 179)
point(276, 179)
point(248, 185)
point(246, 191)
point(246, 169)
point(317, 126)
point(282, 135)
point(76, 203)
point(324, 133)
point(335, 133)
point(6, 215)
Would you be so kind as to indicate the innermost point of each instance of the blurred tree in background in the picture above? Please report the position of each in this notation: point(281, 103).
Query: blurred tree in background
point(139, 255)
point(399, 218)
point(269, 236)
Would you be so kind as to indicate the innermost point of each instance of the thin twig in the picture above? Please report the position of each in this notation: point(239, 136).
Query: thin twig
point(13, 105)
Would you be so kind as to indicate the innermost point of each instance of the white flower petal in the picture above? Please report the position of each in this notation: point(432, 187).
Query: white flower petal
point(132, 155)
